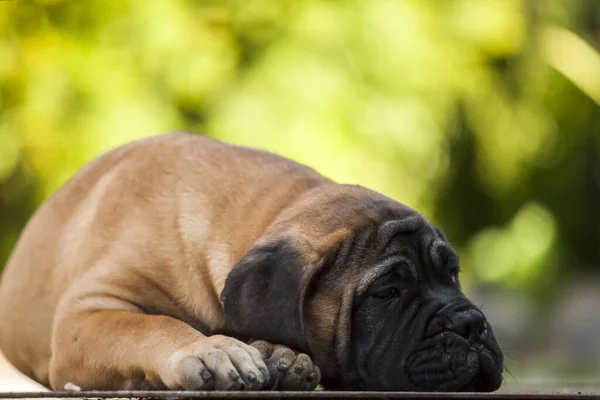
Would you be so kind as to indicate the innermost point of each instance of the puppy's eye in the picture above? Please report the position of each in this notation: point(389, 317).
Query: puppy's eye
point(386, 294)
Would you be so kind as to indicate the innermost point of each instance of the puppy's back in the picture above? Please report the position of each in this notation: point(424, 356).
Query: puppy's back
point(141, 187)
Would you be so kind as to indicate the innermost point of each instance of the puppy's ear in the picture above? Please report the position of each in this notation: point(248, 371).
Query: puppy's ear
point(264, 294)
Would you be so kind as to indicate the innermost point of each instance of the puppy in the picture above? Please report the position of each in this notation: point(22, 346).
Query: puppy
point(180, 262)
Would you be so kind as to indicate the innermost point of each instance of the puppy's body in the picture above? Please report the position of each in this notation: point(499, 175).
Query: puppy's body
point(179, 262)
point(159, 223)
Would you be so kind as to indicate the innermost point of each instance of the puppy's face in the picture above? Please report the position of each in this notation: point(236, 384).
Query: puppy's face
point(407, 324)
point(370, 290)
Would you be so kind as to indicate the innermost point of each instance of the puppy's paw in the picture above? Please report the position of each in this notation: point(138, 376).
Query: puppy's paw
point(216, 363)
point(289, 370)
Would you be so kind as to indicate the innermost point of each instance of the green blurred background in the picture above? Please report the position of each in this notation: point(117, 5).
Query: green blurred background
point(482, 114)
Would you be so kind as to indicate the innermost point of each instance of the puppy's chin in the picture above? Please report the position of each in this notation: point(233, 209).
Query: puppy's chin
point(448, 362)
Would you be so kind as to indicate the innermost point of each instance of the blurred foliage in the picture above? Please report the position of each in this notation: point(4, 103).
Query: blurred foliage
point(482, 114)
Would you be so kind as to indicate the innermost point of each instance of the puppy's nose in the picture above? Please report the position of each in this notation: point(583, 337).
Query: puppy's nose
point(469, 324)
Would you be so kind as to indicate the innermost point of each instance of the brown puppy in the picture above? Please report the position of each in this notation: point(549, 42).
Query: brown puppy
point(181, 262)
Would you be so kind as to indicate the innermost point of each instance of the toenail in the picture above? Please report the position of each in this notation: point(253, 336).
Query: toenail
point(251, 376)
point(311, 377)
point(205, 375)
point(298, 369)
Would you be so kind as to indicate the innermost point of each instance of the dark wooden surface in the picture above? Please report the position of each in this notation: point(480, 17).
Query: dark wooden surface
point(513, 395)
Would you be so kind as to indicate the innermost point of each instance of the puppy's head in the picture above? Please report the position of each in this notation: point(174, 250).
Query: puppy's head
point(370, 290)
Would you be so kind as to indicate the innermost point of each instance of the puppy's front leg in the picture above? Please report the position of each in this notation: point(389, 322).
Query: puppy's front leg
point(122, 348)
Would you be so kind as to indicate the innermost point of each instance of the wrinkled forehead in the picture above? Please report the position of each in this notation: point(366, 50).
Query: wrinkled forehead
point(411, 243)
point(357, 230)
